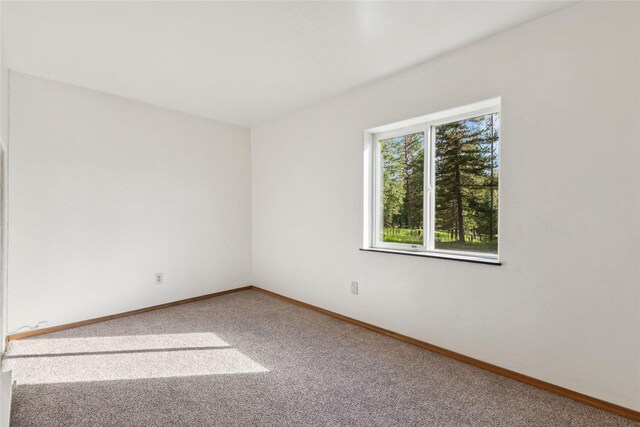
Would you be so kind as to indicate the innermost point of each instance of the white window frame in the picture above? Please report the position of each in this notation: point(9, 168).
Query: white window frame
point(373, 217)
point(377, 189)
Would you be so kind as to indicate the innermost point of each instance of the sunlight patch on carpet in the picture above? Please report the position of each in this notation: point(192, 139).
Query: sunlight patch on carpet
point(49, 361)
point(37, 346)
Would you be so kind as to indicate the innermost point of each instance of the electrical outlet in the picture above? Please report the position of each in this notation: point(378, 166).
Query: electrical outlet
point(354, 288)
point(158, 278)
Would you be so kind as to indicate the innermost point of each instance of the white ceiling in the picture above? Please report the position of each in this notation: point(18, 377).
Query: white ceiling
point(241, 62)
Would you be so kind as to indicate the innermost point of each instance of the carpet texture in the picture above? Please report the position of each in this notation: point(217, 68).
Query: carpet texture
point(248, 359)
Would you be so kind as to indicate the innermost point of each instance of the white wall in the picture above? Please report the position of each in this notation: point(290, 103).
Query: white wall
point(4, 132)
point(565, 305)
point(104, 192)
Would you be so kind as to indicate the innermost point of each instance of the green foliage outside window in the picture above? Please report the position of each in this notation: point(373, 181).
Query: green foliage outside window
point(466, 186)
point(403, 188)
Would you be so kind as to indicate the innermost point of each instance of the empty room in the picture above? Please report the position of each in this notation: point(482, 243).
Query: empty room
point(320, 213)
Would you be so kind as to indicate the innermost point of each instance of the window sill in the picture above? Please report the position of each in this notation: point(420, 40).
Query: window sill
point(443, 255)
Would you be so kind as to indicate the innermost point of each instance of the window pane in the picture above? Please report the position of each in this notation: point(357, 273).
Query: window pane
point(466, 181)
point(403, 188)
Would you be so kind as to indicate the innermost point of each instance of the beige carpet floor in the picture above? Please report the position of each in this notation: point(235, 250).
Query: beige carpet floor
point(248, 359)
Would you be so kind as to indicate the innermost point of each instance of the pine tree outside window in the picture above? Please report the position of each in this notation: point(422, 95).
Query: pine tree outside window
point(432, 184)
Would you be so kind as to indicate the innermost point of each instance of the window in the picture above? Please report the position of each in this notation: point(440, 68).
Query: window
point(432, 184)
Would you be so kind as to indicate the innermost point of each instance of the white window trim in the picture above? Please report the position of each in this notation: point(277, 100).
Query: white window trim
point(372, 218)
